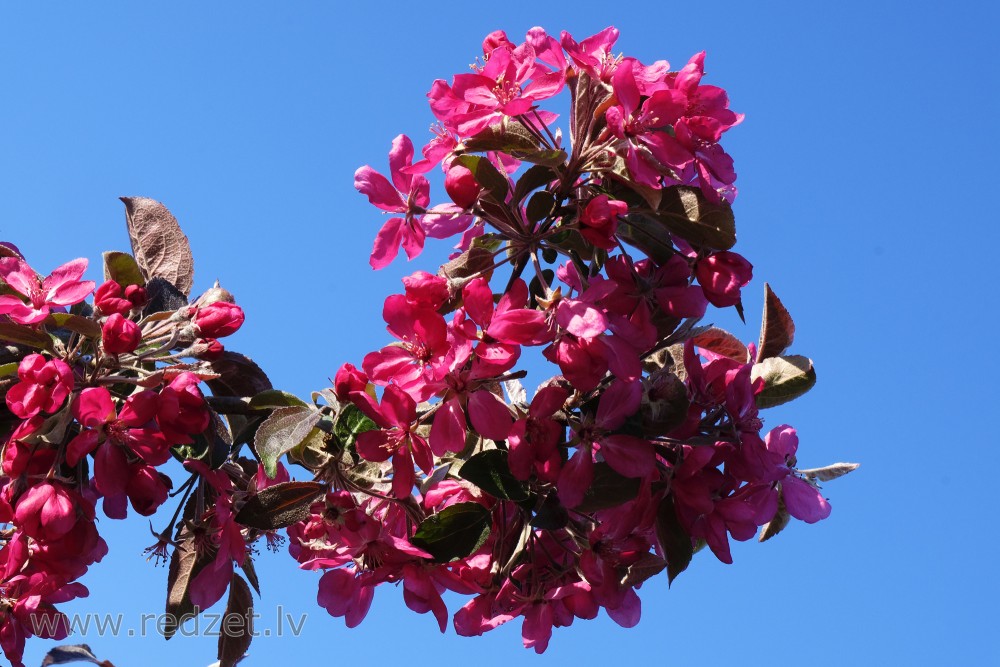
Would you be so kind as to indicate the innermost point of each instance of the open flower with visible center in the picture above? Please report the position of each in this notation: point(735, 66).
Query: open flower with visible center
point(62, 287)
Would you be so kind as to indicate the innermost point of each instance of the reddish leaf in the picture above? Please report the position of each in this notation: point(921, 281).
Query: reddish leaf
point(675, 543)
point(164, 375)
point(160, 247)
point(724, 343)
point(776, 329)
point(280, 506)
point(238, 376)
point(185, 563)
point(236, 631)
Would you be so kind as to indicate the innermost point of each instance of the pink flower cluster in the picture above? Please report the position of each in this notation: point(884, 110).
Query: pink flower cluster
point(647, 441)
point(97, 410)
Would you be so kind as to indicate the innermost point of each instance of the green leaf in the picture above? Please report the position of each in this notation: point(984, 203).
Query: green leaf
point(81, 325)
point(455, 532)
point(683, 211)
point(283, 430)
point(352, 422)
point(22, 335)
point(160, 247)
point(785, 379)
point(551, 515)
point(275, 398)
point(490, 472)
point(675, 543)
point(647, 567)
point(486, 175)
point(280, 506)
point(8, 369)
point(664, 405)
point(212, 446)
point(777, 330)
point(122, 268)
point(609, 489)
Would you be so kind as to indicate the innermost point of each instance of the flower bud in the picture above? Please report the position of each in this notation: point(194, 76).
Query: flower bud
point(181, 410)
point(349, 379)
point(43, 388)
point(47, 511)
point(108, 299)
point(461, 186)
point(120, 335)
point(722, 276)
point(218, 319)
point(207, 349)
point(136, 295)
point(599, 221)
point(494, 40)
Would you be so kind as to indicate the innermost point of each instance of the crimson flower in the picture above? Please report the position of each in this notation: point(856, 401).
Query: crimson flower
point(396, 437)
point(408, 194)
point(43, 387)
point(626, 454)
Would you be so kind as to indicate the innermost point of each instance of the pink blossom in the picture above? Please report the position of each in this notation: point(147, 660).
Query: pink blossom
point(62, 287)
point(43, 387)
point(408, 194)
point(639, 124)
point(347, 380)
point(535, 438)
point(396, 438)
point(48, 511)
point(461, 186)
point(599, 221)
point(181, 410)
point(419, 364)
point(722, 275)
point(501, 89)
point(626, 454)
point(593, 55)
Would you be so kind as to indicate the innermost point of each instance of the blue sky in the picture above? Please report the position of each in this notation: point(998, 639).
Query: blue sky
point(866, 171)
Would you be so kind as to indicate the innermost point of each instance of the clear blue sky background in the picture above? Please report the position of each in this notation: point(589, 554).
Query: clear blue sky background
point(867, 170)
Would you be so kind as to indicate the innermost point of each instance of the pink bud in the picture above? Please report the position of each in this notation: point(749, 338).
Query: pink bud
point(218, 319)
point(43, 388)
point(208, 349)
point(722, 276)
point(47, 511)
point(494, 40)
point(599, 221)
point(349, 379)
point(136, 295)
point(461, 186)
point(120, 335)
point(108, 299)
